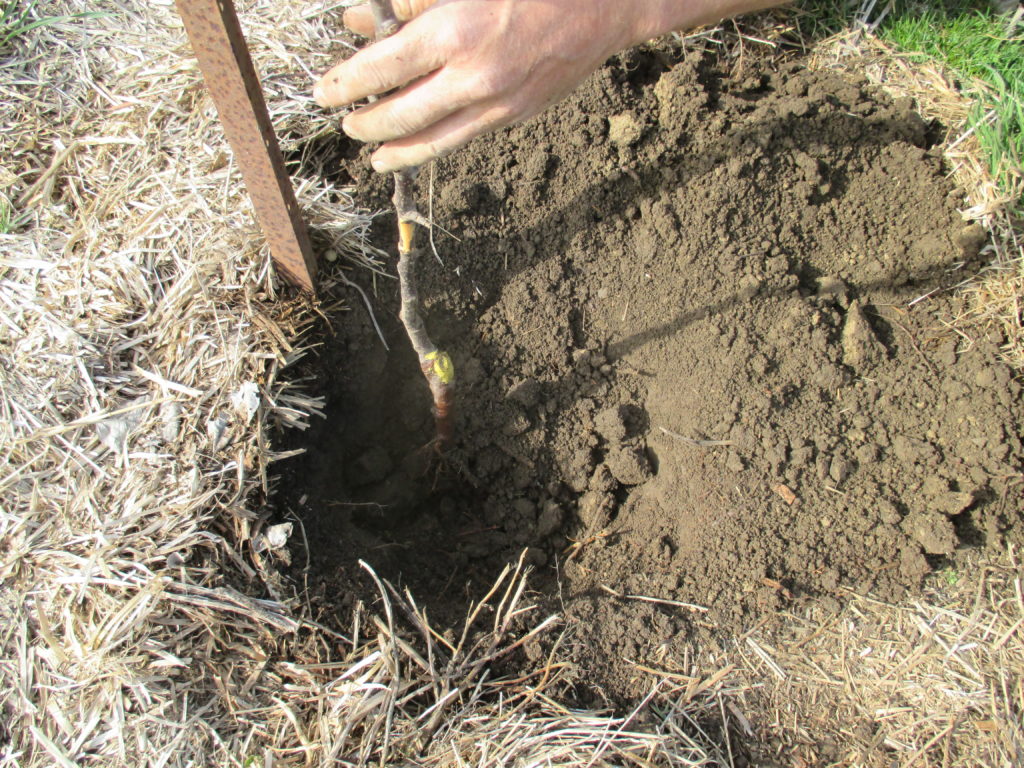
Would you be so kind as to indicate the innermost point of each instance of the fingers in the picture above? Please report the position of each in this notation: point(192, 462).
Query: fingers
point(360, 18)
point(388, 64)
point(442, 137)
point(412, 109)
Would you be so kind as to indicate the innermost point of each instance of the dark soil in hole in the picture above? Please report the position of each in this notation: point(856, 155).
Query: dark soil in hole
point(690, 367)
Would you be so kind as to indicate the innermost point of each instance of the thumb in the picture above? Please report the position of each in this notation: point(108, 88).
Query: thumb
point(410, 9)
point(360, 18)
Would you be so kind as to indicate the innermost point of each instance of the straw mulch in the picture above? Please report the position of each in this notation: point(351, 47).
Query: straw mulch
point(935, 681)
point(143, 618)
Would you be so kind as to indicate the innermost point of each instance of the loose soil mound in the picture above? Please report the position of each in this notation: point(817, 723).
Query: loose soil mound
point(701, 328)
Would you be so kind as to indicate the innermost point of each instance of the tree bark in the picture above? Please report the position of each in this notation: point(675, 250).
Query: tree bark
point(436, 364)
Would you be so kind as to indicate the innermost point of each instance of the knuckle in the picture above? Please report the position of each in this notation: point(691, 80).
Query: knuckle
point(372, 75)
point(501, 114)
point(492, 82)
point(525, 105)
point(469, 86)
point(400, 123)
point(464, 93)
point(435, 149)
point(485, 84)
point(451, 36)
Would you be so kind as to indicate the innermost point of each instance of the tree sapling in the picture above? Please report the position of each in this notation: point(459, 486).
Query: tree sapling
point(435, 363)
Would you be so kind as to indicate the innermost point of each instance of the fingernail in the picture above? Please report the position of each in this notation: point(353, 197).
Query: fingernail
point(318, 95)
point(352, 133)
point(379, 165)
point(351, 128)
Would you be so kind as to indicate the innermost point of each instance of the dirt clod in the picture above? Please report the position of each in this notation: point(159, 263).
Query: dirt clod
point(933, 531)
point(628, 465)
point(861, 348)
point(624, 129)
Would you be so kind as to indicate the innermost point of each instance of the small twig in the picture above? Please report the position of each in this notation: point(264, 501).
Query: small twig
point(393, 691)
point(768, 661)
point(932, 742)
point(692, 441)
point(657, 600)
point(676, 676)
point(369, 308)
point(577, 546)
point(725, 732)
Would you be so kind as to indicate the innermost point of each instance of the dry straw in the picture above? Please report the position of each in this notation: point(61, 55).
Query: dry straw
point(936, 681)
point(142, 620)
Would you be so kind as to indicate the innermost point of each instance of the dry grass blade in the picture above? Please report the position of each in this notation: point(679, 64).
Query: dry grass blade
point(136, 303)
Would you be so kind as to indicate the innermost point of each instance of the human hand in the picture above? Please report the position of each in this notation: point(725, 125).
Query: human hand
point(466, 67)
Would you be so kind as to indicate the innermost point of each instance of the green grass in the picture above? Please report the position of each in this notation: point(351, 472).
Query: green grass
point(8, 221)
point(966, 36)
point(972, 41)
point(17, 19)
point(950, 576)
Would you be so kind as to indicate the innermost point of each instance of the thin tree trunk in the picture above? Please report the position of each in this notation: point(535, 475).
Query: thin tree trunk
point(436, 364)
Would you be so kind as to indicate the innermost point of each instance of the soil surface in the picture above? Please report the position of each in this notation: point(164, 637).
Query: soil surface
point(701, 328)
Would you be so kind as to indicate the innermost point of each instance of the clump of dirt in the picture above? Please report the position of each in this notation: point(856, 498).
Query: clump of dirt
point(700, 324)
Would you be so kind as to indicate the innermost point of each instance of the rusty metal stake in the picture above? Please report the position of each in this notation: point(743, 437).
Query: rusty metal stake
point(217, 40)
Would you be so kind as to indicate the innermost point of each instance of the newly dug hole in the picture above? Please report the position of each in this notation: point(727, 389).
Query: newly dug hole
point(701, 323)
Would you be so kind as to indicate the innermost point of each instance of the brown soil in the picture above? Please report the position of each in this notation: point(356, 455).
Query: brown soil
point(693, 363)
